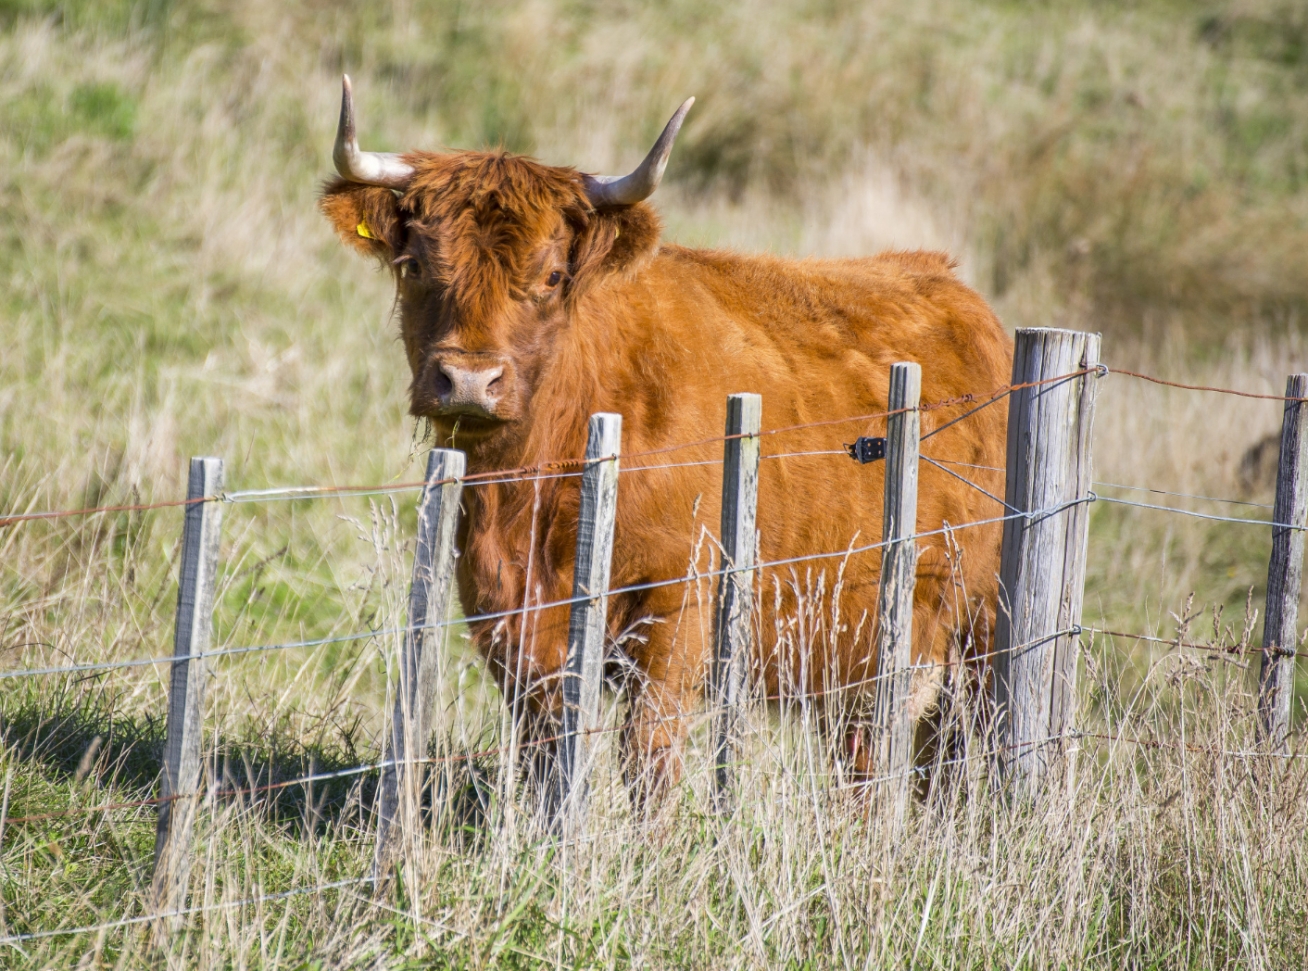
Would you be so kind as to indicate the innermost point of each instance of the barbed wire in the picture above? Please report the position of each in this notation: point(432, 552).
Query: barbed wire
point(534, 608)
point(1203, 387)
point(1190, 645)
point(1188, 747)
point(14, 518)
point(555, 468)
point(1200, 515)
point(527, 473)
point(1181, 495)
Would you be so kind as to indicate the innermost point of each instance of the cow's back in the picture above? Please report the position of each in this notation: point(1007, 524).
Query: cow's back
point(816, 339)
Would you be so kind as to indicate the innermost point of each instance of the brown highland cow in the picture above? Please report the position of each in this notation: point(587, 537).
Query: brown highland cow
point(532, 296)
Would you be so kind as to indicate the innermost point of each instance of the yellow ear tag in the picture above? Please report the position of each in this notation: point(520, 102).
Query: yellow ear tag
point(363, 230)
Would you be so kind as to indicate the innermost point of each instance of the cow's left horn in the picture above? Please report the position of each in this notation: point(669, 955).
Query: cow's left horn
point(627, 190)
point(370, 168)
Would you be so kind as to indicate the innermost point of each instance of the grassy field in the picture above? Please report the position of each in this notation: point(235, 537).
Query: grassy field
point(1137, 168)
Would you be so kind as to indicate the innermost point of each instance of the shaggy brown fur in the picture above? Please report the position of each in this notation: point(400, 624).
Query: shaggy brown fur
point(501, 258)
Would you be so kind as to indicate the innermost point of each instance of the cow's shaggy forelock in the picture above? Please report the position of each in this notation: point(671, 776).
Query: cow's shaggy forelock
point(483, 216)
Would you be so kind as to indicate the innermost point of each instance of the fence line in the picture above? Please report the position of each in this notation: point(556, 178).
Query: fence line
point(1210, 648)
point(1189, 747)
point(700, 714)
point(14, 518)
point(223, 792)
point(500, 615)
point(1112, 485)
point(1198, 515)
point(967, 481)
point(794, 696)
point(1181, 495)
point(525, 473)
point(1204, 387)
point(16, 939)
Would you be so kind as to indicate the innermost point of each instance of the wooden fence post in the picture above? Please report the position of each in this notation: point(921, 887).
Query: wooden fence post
point(588, 624)
point(894, 724)
point(192, 636)
point(1042, 568)
point(1285, 571)
point(731, 625)
point(400, 792)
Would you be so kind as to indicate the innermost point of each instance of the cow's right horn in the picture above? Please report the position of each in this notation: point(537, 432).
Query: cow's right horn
point(627, 190)
point(370, 168)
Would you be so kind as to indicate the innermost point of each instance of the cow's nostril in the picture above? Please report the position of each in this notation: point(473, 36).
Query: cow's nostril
point(494, 384)
point(443, 383)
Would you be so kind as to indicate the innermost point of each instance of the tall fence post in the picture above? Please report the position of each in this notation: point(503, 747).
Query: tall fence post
point(588, 623)
point(894, 724)
point(400, 792)
point(1042, 568)
point(731, 625)
point(1285, 571)
point(192, 636)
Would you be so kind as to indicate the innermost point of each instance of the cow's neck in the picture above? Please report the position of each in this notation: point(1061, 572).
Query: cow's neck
point(503, 518)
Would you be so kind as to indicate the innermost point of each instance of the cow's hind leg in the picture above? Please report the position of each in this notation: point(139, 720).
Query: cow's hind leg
point(859, 734)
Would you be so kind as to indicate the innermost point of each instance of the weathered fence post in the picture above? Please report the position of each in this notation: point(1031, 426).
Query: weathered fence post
point(192, 636)
point(588, 623)
point(1285, 571)
point(400, 792)
point(731, 625)
point(894, 725)
point(1042, 568)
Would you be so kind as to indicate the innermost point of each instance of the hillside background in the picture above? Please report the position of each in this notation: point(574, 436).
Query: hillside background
point(1137, 168)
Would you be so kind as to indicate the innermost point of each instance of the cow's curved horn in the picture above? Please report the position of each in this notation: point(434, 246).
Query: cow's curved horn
point(370, 168)
point(627, 190)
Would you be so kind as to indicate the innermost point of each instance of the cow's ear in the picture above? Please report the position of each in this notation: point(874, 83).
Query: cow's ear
point(366, 217)
point(613, 241)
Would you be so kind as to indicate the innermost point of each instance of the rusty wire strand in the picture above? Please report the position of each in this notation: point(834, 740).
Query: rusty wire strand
point(528, 473)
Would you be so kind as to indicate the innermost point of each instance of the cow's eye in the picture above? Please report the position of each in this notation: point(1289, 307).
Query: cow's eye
point(408, 266)
point(554, 279)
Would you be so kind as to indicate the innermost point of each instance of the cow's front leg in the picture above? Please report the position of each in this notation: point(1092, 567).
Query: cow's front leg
point(653, 744)
point(665, 695)
point(527, 657)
